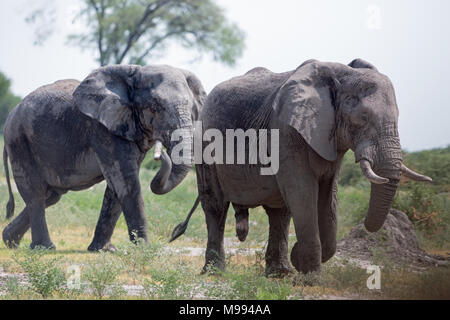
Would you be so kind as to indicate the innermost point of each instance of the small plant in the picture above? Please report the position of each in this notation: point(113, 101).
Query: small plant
point(171, 283)
point(13, 287)
point(247, 283)
point(102, 274)
point(343, 275)
point(45, 275)
point(138, 257)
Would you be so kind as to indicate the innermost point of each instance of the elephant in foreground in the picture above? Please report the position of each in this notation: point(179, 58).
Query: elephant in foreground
point(321, 110)
point(70, 135)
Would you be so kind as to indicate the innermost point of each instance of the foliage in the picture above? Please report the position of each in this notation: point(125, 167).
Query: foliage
point(350, 173)
point(248, 285)
point(102, 274)
point(44, 273)
point(244, 279)
point(428, 204)
point(13, 288)
point(7, 99)
point(137, 257)
point(170, 282)
point(434, 163)
point(133, 30)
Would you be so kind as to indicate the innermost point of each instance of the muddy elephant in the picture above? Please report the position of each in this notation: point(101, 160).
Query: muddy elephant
point(70, 135)
point(320, 111)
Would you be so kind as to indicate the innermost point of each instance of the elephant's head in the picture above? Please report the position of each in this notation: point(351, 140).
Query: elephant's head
point(336, 107)
point(146, 105)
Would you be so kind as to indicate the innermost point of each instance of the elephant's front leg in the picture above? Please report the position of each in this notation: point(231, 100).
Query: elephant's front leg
point(277, 262)
point(109, 215)
point(327, 210)
point(300, 188)
point(119, 163)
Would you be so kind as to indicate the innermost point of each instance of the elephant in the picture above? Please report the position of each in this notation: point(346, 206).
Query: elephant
point(69, 136)
point(320, 111)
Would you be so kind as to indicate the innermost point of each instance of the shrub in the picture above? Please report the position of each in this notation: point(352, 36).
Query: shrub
point(170, 283)
point(137, 257)
point(13, 288)
point(45, 275)
point(102, 274)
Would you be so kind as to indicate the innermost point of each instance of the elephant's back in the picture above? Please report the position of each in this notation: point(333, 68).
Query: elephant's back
point(234, 103)
point(49, 101)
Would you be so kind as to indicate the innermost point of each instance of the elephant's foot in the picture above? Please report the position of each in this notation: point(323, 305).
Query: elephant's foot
point(96, 247)
point(306, 258)
point(43, 245)
point(278, 270)
point(328, 252)
point(214, 262)
point(11, 241)
point(213, 267)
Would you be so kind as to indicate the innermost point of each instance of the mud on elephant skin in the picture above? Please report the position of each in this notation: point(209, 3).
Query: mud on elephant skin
point(70, 135)
point(321, 110)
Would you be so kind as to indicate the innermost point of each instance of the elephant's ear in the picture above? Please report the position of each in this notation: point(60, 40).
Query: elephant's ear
point(360, 63)
point(306, 103)
point(197, 91)
point(106, 96)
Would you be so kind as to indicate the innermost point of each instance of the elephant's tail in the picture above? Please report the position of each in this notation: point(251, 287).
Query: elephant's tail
point(181, 228)
point(10, 205)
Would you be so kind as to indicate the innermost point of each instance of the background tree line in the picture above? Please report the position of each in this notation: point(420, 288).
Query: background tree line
point(8, 100)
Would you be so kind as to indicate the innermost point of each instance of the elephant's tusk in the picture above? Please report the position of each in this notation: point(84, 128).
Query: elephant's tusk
point(407, 172)
point(158, 150)
point(369, 174)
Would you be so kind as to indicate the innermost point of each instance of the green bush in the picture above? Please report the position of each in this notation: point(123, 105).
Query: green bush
point(102, 274)
point(14, 288)
point(428, 210)
point(44, 274)
point(138, 257)
point(350, 172)
point(172, 282)
point(434, 163)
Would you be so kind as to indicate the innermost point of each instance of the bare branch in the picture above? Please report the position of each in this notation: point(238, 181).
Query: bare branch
point(136, 33)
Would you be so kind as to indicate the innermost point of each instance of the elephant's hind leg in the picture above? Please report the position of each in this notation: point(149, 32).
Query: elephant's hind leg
point(34, 191)
point(215, 209)
point(277, 262)
point(109, 215)
point(14, 232)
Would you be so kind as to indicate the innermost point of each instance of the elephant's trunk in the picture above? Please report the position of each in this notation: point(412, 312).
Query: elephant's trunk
point(384, 177)
point(171, 172)
point(381, 199)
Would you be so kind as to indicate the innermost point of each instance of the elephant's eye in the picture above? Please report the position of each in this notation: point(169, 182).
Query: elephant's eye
point(350, 102)
point(153, 108)
point(154, 105)
point(365, 117)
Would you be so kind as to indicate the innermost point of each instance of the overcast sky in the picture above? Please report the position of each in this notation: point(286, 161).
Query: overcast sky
point(407, 40)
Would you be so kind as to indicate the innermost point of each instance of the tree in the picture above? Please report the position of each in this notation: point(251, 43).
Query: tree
point(7, 99)
point(131, 31)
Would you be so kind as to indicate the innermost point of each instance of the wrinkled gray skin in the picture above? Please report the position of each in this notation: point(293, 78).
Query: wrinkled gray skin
point(70, 136)
point(321, 110)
